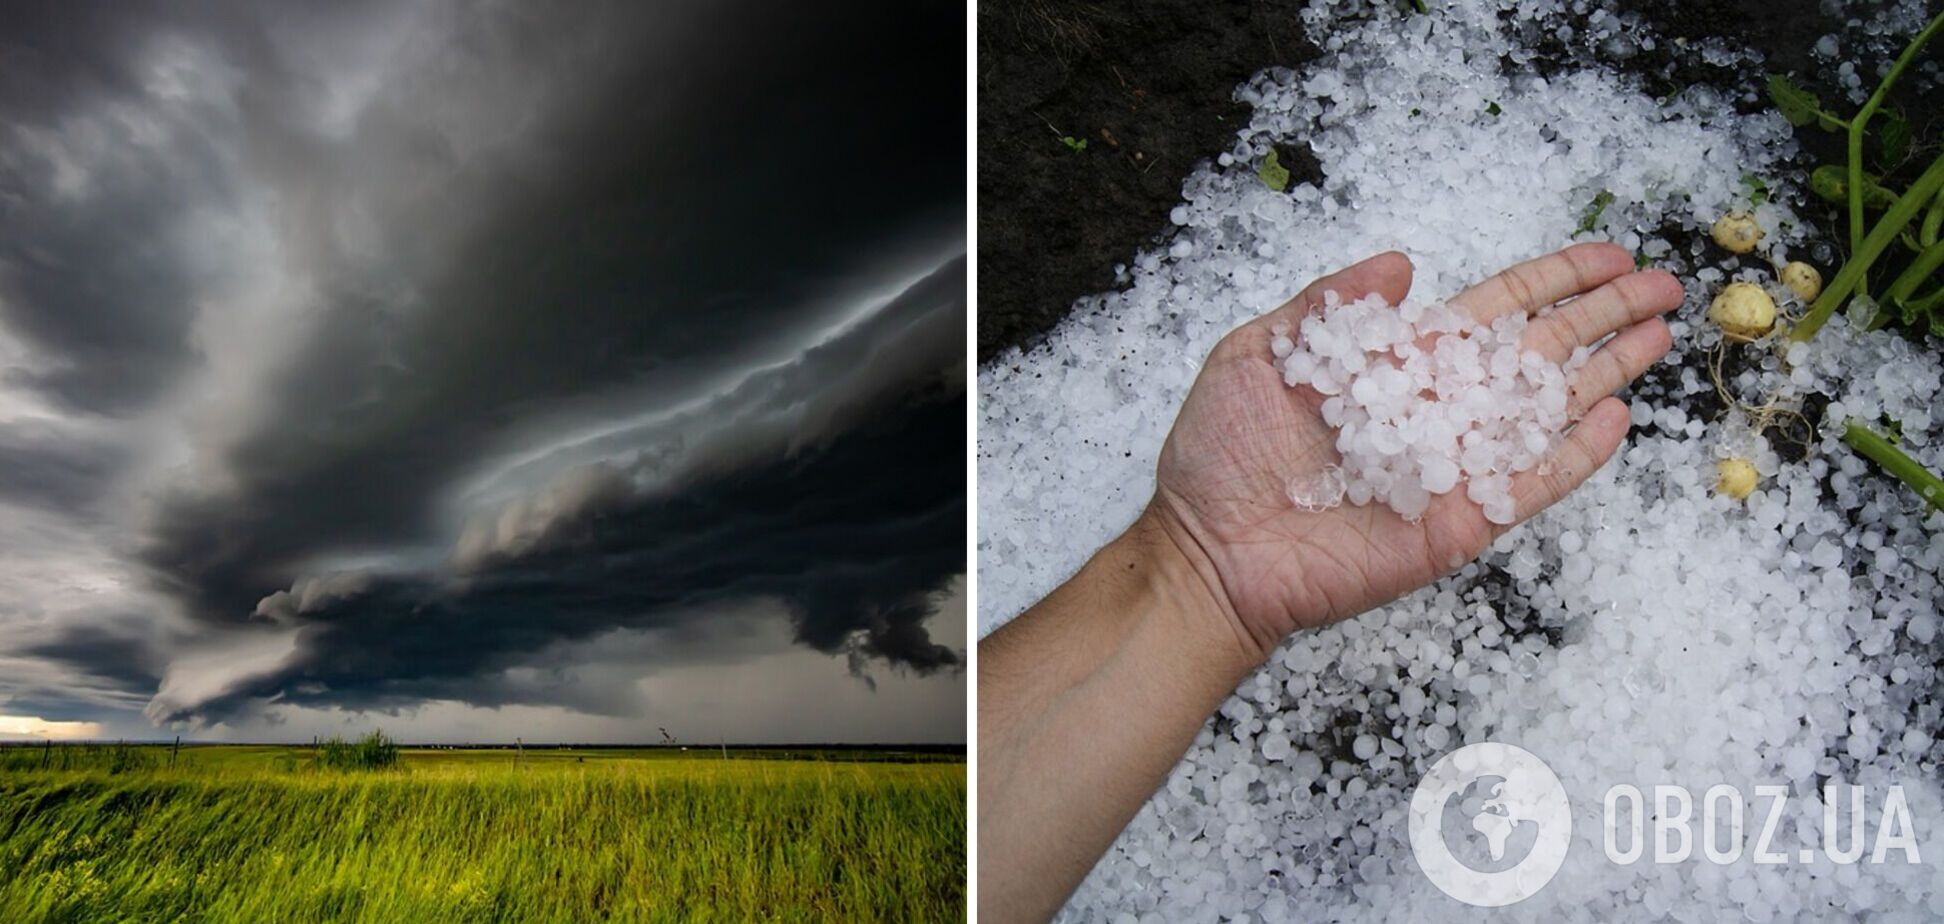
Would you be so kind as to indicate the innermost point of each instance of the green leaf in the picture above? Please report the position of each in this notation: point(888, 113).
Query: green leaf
point(1077, 144)
point(1797, 105)
point(1593, 211)
point(1492, 108)
point(1905, 312)
point(1830, 183)
point(1272, 173)
point(1893, 140)
point(1758, 191)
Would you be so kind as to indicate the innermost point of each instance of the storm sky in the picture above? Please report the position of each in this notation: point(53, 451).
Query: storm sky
point(479, 370)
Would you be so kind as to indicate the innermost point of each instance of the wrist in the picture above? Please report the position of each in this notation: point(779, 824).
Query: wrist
point(1180, 591)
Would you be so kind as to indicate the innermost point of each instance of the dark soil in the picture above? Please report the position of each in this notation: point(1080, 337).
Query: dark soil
point(1147, 86)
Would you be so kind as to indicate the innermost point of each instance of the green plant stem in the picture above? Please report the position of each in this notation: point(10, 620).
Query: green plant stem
point(1927, 235)
point(1855, 157)
point(1908, 470)
point(1861, 121)
point(1913, 275)
point(1892, 224)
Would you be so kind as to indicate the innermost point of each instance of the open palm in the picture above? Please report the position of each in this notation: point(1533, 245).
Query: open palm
point(1242, 434)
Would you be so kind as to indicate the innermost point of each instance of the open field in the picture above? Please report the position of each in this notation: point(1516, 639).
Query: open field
point(255, 834)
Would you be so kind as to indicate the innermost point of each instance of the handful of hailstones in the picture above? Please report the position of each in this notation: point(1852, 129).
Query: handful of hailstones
point(1424, 397)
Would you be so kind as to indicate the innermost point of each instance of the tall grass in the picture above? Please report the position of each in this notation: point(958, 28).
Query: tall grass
point(452, 840)
point(372, 752)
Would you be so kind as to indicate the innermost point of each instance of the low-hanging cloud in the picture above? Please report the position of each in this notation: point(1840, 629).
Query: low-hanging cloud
point(855, 561)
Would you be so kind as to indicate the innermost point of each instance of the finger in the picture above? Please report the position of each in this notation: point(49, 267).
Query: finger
point(1534, 284)
point(1387, 274)
point(1591, 442)
point(1624, 302)
point(1620, 361)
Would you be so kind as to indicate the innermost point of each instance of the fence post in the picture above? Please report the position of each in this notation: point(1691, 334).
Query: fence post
point(47, 750)
point(173, 750)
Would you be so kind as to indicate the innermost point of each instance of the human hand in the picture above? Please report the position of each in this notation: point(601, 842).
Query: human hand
point(1269, 568)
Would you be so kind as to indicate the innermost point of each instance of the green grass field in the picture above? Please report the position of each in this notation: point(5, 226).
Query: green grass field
point(256, 834)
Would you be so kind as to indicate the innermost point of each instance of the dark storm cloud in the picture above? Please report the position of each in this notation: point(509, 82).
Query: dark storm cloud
point(834, 486)
point(90, 194)
point(294, 275)
point(458, 232)
point(854, 537)
point(104, 652)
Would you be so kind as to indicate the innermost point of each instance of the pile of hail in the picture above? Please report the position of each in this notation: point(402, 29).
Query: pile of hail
point(1424, 397)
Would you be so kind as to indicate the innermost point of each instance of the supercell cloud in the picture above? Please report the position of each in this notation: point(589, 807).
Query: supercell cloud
point(364, 358)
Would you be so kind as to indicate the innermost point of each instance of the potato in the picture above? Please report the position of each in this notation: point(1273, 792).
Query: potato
point(1738, 232)
point(1744, 310)
point(1735, 478)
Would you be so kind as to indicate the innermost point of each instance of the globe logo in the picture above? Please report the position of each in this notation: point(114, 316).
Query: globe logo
point(1482, 810)
point(1490, 824)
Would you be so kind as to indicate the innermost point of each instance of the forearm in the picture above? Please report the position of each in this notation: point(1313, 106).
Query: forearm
point(1086, 702)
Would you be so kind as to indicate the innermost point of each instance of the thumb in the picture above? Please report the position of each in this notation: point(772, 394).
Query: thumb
point(1387, 274)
